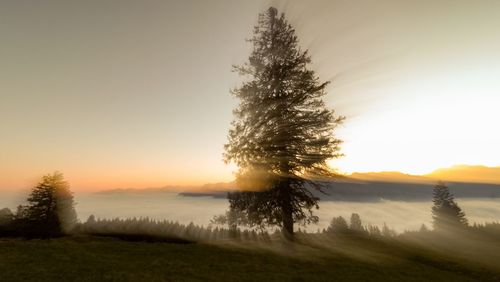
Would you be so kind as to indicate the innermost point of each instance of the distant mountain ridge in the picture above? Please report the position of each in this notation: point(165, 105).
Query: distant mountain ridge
point(464, 181)
point(468, 173)
point(457, 173)
point(389, 176)
point(374, 191)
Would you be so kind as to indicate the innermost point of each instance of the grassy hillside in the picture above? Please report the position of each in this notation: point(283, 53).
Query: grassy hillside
point(108, 259)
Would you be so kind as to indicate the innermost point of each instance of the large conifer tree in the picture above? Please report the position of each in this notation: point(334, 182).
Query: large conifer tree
point(446, 213)
point(282, 135)
point(50, 209)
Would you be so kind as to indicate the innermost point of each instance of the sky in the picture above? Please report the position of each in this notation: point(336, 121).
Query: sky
point(119, 94)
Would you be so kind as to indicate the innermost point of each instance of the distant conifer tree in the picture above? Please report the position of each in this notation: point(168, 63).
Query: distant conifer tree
point(282, 135)
point(6, 216)
point(21, 212)
point(338, 225)
point(423, 228)
point(91, 219)
point(388, 232)
point(50, 210)
point(445, 212)
point(355, 223)
point(374, 230)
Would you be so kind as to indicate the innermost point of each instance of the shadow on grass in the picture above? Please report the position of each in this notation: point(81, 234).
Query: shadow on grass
point(144, 238)
point(89, 258)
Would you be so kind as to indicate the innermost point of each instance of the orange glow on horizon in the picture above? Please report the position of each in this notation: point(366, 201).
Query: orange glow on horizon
point(91, 181)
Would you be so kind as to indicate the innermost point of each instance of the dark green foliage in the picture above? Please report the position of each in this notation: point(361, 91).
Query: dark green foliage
point(338, 225)
point(261, 208)
point(13, 225)
point(50, 210)
point(231, 219)
point(388, 232)
point(7, 220)
point(147, 229)
point(490, 229)
point(446, 213)
point(355, 224)
point(6, 216)
point(21, 212)
point(282, 135)
point(374, 231)
point(423, 228)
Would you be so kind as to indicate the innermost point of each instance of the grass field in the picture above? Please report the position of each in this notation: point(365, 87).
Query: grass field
point(109, 259)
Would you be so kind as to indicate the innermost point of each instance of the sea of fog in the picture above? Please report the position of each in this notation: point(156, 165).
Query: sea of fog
point(399, 215)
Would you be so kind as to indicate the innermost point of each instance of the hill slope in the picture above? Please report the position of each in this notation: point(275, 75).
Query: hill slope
point(95, 259)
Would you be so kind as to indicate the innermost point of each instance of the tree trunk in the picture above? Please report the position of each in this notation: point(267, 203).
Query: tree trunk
point(287, 212)
point(287, 225)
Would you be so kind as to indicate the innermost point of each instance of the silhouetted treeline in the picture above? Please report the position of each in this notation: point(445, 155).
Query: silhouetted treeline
point(146, 229)
point(50, 213)
point(340, 227)
point(165, 230)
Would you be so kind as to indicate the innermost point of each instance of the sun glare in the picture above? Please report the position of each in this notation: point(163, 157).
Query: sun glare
point(440, 121)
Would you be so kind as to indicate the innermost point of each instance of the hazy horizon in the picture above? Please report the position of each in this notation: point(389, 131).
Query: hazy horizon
point(458, 173)
point(400, 215)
